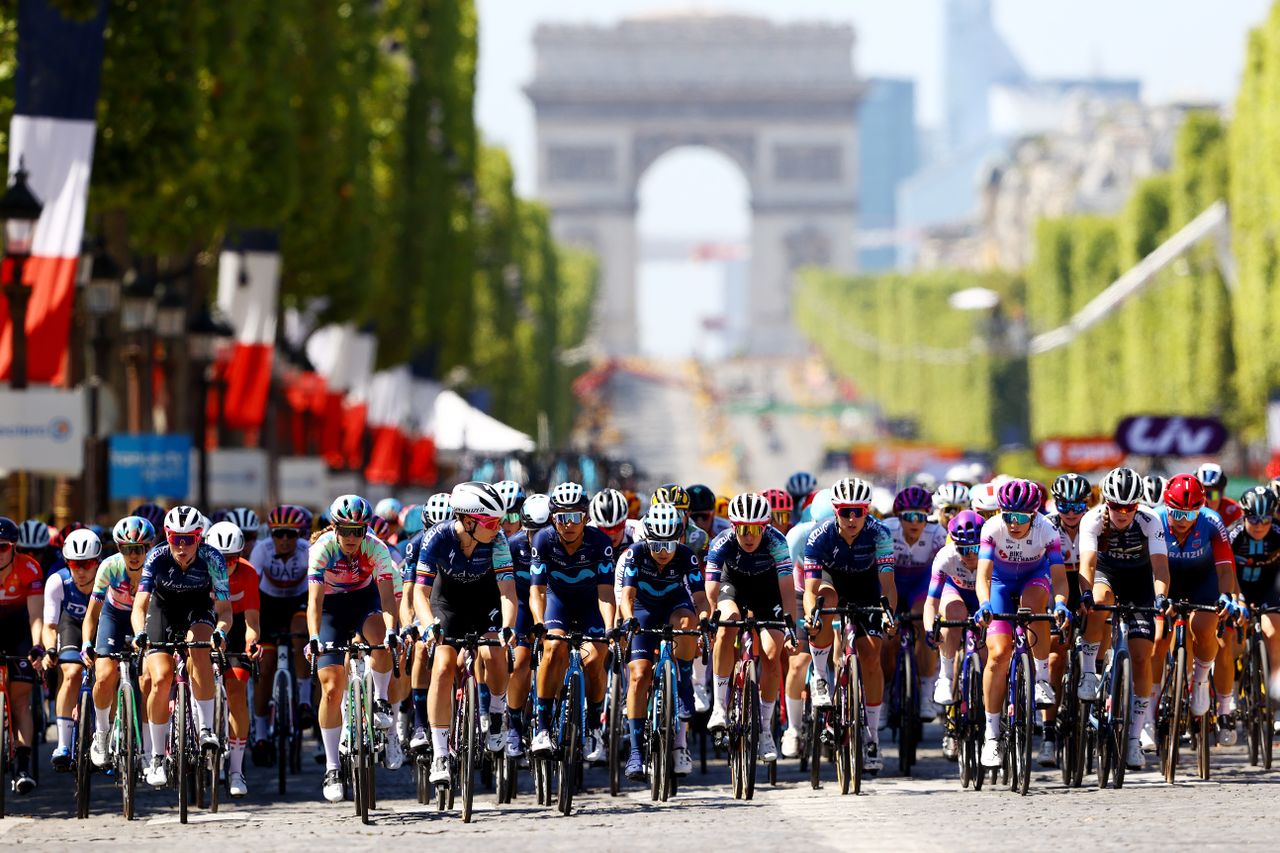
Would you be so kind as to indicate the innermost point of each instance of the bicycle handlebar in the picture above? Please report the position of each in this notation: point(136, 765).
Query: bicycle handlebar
point(358, 648)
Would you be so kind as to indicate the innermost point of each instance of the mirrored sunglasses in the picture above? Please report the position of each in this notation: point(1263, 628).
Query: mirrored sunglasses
point(851, 512)
point(184, 540)
point(1073, 508)
point(488, 522)
point(1017, 517)
point(661, 546)
point(913, 516)
point(284, 533)
point(568, 517)
point(749, 529)
point(351, 530)
point(133, 550)
point(1184, 514)
point(966, 550)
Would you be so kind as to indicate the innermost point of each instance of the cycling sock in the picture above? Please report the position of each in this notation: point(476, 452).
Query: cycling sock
point(946, 667)
point(381, 683)
point(331, 738)
point(1042, 669)
point(235, 755)
point(544, 714)
point(261, 727)
point(66, 728)
point(484, 698)
point(440, 740)
point(594, 711)
point(1200, 670)
point(684, 684)
point(159, 733)
point(147, 739)
point(420, 708)
point(22, 756)
point(1226, 704)
point(1138, 715)
point(699, 671)
point(795, 714)
point(993, 725)
point(304, 691)
point(497, 704)
point(821, 661)
point(515, 719)
point(102, 720)
point(204, 713)
point(635, 731)
point(873, 722)
point(722, 691)
point(766, 714)
point(682, 732)
point(1090, 651)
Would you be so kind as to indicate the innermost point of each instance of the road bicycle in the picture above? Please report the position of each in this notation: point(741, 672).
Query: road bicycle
point(1018, 714)
point(1114, 708)
point(571, 721)
point(904, 695)
point(662, 720)
point(1253, 685)
point(964, 716)
point(282, 711)
point(184, 758)
point(1174, 719)
point(1075, 737)
point(464, 729)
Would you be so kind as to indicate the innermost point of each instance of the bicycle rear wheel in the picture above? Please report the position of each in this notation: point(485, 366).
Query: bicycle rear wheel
point(571, 742)
point(974, 724)
point(1177, 710)
point(1121, 712)
point(4, 749)
point(361, 762)
point(213, 757)
point(467, 747)
point(180, 738)
point(734, 732)
point(283, 727)
point(750, 742)
point(127, 752)
point(909, 714)
point(614, 734)
point(1266, 714)
point(84, 767)
point(1024, 723)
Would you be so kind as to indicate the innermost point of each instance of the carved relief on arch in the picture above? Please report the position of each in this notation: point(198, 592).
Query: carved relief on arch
point(807, 246)
point(648, 147)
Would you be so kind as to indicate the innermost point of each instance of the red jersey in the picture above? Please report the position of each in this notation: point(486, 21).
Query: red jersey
point(1229, 511)
point(22, 581)
point(243, 581)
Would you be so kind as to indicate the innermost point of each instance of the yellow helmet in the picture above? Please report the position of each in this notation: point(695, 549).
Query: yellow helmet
point(671, 494)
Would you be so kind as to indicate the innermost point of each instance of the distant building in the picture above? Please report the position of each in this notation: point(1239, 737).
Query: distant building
point(887, 154)
point(975, 58)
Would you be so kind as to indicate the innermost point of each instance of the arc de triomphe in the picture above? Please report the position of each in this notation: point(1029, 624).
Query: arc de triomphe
point(780, 100)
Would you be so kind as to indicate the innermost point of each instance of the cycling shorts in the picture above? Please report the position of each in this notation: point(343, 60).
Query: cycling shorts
point(655, 615)
point(70, 632)
point(576, 613)
point(15, 639)
point(466, 608)
point(1006, 595)
point(951, 592)
point(1135, 587)
point(275, 613)
point(171, 617)
point(913, 587)
point(1198, 586)
point(342, 616)
point(758, 594)
point(113, 627)
point(861, 589)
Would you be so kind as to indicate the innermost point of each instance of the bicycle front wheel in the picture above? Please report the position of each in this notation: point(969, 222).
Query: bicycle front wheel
point(909, 714)
point(1023, 723)
point(181, 745)
point(570, 742)
point(127, 751)
point(282, 720)
point(666, 759)
point(615, 723)
point(84, 767)
point(1266, 714)
point(1121, 712)
point(750, 742)
point(1177, 712)
point(975, 723)
point(467, 747)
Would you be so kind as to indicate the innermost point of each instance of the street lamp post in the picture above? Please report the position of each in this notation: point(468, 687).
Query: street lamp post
point(101, 279)
point(204, 334)
point(20, 211)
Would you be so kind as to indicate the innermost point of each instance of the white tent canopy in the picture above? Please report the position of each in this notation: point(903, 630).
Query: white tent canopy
point(457, 425)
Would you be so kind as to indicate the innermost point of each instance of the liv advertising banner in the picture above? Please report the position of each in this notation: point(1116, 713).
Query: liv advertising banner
point(42, 430)
point(148, 465)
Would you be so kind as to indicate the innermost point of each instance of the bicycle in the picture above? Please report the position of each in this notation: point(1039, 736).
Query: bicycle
point(963, 717)
point(183, 755)
point(1018, 716)
point(1253, 685)
point(1074, 734)
point(125, 741)
point(8, 745)
point(904, 695)
point(464, 732)
point(1114, 711)
point(82, 735)
point(571, 719)
point(282, 711)
point(615, 711)
point(844, 724)
point(1175, 698)
point(662, 719)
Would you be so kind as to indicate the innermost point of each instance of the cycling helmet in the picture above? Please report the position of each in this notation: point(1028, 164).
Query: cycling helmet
point(1183, 492)
point(511, 494)
point(244, 518)
point(350, 509)
point(961, 473)
point(779, 501)
point(820, 509)
point(153, 513)
point(951, 494)
point(183, 519)
point(966, 528)
point(851, 491)
point(133, 530)
point(8, 530)
point(81, 545)
point(925, 480)
point(568, 496)
point(662, 523)
point(1258, 502)
point(205, 524)
point(411, 519)
point(1071, 488)
point(288, 516)
point(476, 498)
point(912, 498)
point(1211, 477)
point(389, 509)
point(1153, 489)
point(608, 508)
point(1122, 486)
point(982, 498)
point(1274, 486)
point(33, 535)
point(801, 484)
point(227, 537)
point(536, 512)
point(436, 509)
point(701, 498)
point(722, 506)
point(671, 494)
point(1018, 496)
point(749, 508)
point(380, 527)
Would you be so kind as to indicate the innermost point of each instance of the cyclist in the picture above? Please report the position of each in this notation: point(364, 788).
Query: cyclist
point(1214, 481)
point(512, 498)
point(534, 516)
point(1071, 493)
point(950, 499)
point(349, 593)
point(466, 585)
point(21, 633)
point(1123, 558)
point(242, 646)
point(1153, 486)
point(916, 541)
point(571, 589)
point(661, 584)
point(802, 486)
point(247, 521)
point(388, 509)
point(953, 597)
point(182, 595)
point(66, 597)
point(780, 509)
point(819, 510)
point(702, 511)
point(435, 511)
point(850, 558)
point(749, 569)
point(1256, 545)
point(694, 536)
point(608, 511)
point(982, 500)
point(282, 563)
point(1019, 565)
point(34, 541)
point(106, 623)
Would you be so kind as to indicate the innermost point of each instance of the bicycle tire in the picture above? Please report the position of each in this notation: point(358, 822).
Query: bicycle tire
point(1203, 728)
point(542, 780)
point(614, 733)
point(857, 724)
point(1106, 743)
point(1079, 723)
point(975, 723)
point(751, 737)
point(806, 733)
point(908, 713)
point(84, 767)
point(571, 742)
point(178, 736)
point(213, 757)
point(1121, 713)
point(282, 720)
point(126, 720)
point(1177, 707)
point(734, 731)
point(1064, 721)
point(813, 744)
point(653, 729)
point(842, 715)
point(467, 745)
point(1266, 713)
point(1025, 729)
point(5, 746)
point(667, 720)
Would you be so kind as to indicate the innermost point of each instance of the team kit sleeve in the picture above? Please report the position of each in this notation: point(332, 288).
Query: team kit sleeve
point(537, 564)
point(1156, 543)
point(813, 554)
point(781, 554)
point(1221, 541)
point(218, 574)
point(627, 568)
point(318, 561)
point(987, 544)
point(884, 558)
point(381, 564)
point(715, 557)
point(938, 576)
point(148, 579)
point(503, 564)
point(102, 579)
point(53, 601)
point(1090, 527)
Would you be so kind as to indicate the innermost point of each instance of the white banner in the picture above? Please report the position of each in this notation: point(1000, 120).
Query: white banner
point(42, 430)
point(303, 480)
point(237, 477)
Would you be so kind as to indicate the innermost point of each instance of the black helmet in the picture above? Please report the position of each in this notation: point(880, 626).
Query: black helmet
point(1258, 502)
point(1071, 488)
point(8, 530)
point(701, 498)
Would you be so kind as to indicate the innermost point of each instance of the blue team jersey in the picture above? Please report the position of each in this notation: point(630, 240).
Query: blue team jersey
point(62, 597)
point(771, 555)
point(441, 553)
point(826, 550)
point(654, 584)
point(412, 548)
point(550, 565)
point(521, 559)
point(162, 575)
point(1206, 545)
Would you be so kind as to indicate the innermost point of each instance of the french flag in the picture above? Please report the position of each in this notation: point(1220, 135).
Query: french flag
point(52, 131)
point(248, 281)
point(390, 408)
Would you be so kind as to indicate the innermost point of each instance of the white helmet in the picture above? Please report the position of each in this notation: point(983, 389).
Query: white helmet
point(663, 522)
point(436, 509)
point(568, 496)
point(749, 508)
point(81, 544)
point(33, 534)
point(925, 480)
point(609, 508)
point(951, 494)
point(244, 518)
point(851, 491)
point(509, 491)
point(1210, 476)
point(184, 519)
point(536, 512)
point(476, 498)
point(982, 498)
point(1122, 486)
point(226, 537)
point(959, 473)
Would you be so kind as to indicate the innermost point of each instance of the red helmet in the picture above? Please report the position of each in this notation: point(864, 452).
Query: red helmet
point(779, 501)
point(1184, 492)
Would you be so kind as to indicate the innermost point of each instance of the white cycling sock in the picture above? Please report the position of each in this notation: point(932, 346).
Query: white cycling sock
point(993, 725)
point(147, 739)
point(304, 691)
point(497, 703)
point(159, 733)
point(946, 667)
point(102, 720)
point(873, 723)
point(235, 755)
point(440, 740)
point(1042, 669)
point(261, 727)
point(1090, 656)
point(1227, 704)
point(1200, 670)
point(682, 731)
point(1138, 715)
point(821, 661)
point(699, 671)
point(66, 728)
point(204, 713)
point(331, 737)
point(795, 714)
point(722, 691)
point(381, 683)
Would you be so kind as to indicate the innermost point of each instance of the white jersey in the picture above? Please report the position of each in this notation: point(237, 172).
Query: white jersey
point(917, 556)
point(1070, 547)
point(949, 564)
point(1017, 557)
point(1124, 549)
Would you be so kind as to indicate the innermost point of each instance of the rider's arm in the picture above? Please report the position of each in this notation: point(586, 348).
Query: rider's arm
point(626, 604)
point(52, 613)
point(1159, 570)
point(784, 568)
point(884, 564)
point(1057, 569)
point(537, 584)
point(315, 601)
point(509, 603)
point(604, 591)
point(982, 582)
point(252, 628)
point(91, 614)
point(138, 616)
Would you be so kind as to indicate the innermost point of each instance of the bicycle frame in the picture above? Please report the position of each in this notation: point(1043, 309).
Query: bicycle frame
point(846, 734)
point(663, 784)
point(1018, 718)
point(962, 720)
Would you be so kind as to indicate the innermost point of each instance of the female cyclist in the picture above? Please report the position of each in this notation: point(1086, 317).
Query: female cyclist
point(66, 598)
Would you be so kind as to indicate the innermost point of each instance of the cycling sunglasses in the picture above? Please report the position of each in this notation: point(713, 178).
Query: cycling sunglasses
point(951, 509)
point(851, 512)
point(133, 550)
point(1183, 514)
point(184, 540)
point(351, 530)
point(749, 529)
point(1073, 507)
point(511, 518)
point(82, 564)
point(284, 533)
point(5, 546)
point(966, 550)
point(662, 546)
point(913, 516)
point(1213, 494)
point(1121, 507)
point(574, 517)
point(488, 522)
point(615, 530)
point(1017, 517)
point(1252, 519)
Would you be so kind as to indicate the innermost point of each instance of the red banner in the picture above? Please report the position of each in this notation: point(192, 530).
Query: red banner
point(1076, 453)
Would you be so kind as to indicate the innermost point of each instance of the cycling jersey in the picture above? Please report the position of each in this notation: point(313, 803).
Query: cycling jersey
point(162, 576)
point(1070, 544)
point(282, 576)
point(1013, 558)
point(243, 583)
point(441, 555)
point(826, 552)
point(771, 557)
point(1192, 563)
point(1257, 565)
point(112, 584)
point(339, 573)
point(63, 599)
point(913, 561)
point(950, 573)
point(1123, 550)
point(1230, 512)
point(697, 539)
point(412, 548)
point(580, 572)
point(661, 586)
point(25, 580)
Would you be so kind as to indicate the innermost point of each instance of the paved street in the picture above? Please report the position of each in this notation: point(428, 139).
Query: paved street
point(1236, 808)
